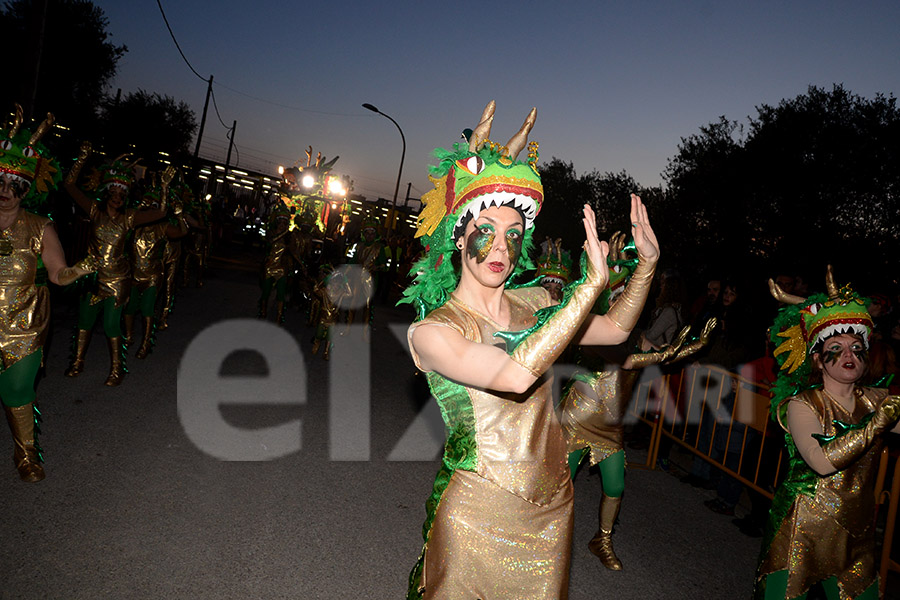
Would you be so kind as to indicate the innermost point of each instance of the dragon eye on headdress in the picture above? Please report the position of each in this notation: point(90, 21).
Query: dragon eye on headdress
point(473, 164)
point(28, 152)
point(6, 144)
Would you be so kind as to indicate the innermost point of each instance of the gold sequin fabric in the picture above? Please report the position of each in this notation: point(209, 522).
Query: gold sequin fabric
point(831, 532)
point(591, 412)
point(148, 247)
point(276, 258)
point(109, 236)
point(503, 530)
point(24, 306)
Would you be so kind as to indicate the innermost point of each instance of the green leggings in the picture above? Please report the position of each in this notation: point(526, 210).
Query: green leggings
point(112, 316)
point(612, 470)
point(142, 302)
point(280, 289)
point(774, 587)
point(17, 382)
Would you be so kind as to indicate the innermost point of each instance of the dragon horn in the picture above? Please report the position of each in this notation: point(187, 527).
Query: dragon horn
point(518, 141)
point(830, 287)
point(319, 159)
point(483, 130)
point(309, 157)
point(782, 296)
point(123, 157)
point(17, 121)
point(42, 129)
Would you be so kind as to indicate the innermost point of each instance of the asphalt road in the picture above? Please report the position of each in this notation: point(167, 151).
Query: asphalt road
point(142, 501)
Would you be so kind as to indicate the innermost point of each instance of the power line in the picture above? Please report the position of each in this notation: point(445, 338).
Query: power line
point(288, 106)
point(187, 62)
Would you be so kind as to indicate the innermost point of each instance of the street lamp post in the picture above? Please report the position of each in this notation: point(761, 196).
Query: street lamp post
point(402, 156)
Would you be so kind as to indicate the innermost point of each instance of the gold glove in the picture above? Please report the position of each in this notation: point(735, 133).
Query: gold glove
point(544, 345)
point(697, 344)
point(627, 309)
point(68, 275)
point(844, 450)
point(83, 153)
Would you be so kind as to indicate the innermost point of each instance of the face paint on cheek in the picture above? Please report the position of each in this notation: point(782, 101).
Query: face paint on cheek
point(480, 244)
point(513, 247)
point(831, 356)
point(862, 354)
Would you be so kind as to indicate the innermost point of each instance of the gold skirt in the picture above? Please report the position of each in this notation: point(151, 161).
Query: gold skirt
point(490, 544)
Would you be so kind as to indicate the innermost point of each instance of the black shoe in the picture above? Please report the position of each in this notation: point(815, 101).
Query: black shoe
point(748, 527)
point(719, 507)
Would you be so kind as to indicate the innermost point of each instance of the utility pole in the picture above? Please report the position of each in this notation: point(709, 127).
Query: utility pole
point(202, 121)
point(406, 200)
point(228, 157)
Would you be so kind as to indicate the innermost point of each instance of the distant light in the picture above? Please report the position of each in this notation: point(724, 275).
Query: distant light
point(334, 205)
point(239, 172)
point(336, 187)
point(208, 197)
point(280, 169)
point(309, 181)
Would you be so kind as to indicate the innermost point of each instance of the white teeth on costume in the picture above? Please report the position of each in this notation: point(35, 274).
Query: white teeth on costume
point(839, 328)
point(523, 203)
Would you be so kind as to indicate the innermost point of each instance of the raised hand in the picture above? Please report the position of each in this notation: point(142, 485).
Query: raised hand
point(597, 251)
point(644, 238)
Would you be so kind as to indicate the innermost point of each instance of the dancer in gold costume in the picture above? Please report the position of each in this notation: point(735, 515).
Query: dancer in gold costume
point(30, 255)
point(111, 223)
point(172, 252)
point(499, 519)
point(821, 527)
point(276, 266)
point(147, 249)
point(594, 405)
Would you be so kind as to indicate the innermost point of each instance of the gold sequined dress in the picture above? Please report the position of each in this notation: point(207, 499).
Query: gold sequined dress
point(276, 257)
point(109, 236)
point(148, 247)
point(824, 526)
point(592, 418)
point(24, 302)
point(499, 520)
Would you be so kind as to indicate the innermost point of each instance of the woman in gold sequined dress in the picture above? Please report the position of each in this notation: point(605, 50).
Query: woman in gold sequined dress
point(821, 528)
point(499, 519)
point(111, 223)
point(30, 254)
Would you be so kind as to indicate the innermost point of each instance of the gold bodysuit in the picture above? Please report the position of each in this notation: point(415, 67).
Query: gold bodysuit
point(823, 526)
point(109, 236)
point(148, 247)
point(24, 300)
point(499, 520)
point(593, 419)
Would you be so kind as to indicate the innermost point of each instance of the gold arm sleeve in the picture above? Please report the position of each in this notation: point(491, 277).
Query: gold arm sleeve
point(843, 451)
point(83, 153)
point(627, 309)
point(540, 349)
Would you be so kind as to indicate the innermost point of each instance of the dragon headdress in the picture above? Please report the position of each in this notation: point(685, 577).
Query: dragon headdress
point(555, 264)
point(467, 180)
point(23, 157)
point(803, 323)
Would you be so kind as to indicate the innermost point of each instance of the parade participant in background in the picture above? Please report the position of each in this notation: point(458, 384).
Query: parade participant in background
point(554, 269)
point(183, 196)
point(371, 254)
point(30, 254)
point(111, 223)
point(499, 519)
point(595, 403)
point(274, 269)
point(821, 527)
point(327, 296)
point(147, 248)
point(196, 244)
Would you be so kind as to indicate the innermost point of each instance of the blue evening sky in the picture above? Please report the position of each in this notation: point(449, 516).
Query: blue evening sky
point(616, 84)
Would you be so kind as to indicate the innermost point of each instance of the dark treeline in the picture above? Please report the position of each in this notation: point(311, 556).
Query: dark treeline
point(812, 181)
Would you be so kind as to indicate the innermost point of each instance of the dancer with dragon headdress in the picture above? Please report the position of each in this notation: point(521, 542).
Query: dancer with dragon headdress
point(30, 255)
point(111, 224)
point(821, 526)
point(499, 519)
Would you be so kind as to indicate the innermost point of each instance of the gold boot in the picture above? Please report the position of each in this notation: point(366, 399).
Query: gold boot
point(81, 343)
point(601, 545)
point(163, 320)
point(25, 456)
point(147, 342)
point(116, 361)
point(129, 330)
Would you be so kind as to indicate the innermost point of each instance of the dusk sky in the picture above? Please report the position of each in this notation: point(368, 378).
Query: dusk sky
point(616, 84)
